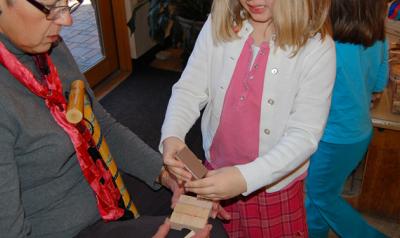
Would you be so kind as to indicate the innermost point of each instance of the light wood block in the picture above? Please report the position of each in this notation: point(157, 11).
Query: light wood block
point(196, 201)
point(190, 213)
point(192, 210)
point(180, 221)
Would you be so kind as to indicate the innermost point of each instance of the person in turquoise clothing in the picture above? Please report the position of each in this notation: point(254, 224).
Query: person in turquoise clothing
point(362, 71)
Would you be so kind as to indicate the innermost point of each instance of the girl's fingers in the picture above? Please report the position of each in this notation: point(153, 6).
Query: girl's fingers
point(177, 168)
point(170, 161)
point(211, 173)
point(223, 214)
point(180, 174)
point(200, 183)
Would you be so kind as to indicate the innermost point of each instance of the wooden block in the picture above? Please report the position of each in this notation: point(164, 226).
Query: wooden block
point(180, 221)
point(191, 213)
point(192, 163)
point(195, 201)
point(192, 210)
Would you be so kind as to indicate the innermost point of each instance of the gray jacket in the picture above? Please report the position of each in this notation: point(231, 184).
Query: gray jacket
point(42, 190)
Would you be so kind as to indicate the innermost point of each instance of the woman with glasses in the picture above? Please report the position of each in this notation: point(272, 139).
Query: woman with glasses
point(48, 185)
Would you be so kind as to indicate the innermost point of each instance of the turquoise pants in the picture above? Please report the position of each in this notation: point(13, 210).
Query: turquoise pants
point(329, 168)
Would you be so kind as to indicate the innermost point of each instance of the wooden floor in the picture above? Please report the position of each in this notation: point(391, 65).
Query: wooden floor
point(168, 59)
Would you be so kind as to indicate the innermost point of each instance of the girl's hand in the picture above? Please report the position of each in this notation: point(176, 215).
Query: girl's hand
point(219, 211)
point(171, 146)
point(220, 184)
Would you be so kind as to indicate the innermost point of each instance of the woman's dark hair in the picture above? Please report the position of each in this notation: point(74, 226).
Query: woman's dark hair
point(358, 21)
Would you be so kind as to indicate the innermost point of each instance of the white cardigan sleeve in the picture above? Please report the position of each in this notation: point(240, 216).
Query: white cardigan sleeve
point(305, 125)
point(190, 93)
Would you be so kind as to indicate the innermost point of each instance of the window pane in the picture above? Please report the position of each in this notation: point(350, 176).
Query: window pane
point(82, 37)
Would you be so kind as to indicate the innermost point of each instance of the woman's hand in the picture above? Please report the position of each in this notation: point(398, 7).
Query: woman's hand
point(164, 229)
point(219, 184)
point(169, 181)
point(171, 146)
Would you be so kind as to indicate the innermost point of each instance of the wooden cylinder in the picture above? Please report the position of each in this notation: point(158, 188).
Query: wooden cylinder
point(75, 102)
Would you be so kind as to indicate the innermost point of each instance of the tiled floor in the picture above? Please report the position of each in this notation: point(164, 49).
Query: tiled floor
point(82, 37)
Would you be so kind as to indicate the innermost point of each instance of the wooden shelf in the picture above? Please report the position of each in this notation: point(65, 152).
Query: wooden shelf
point(382, 117)
point(393, 29)
point(379, 194)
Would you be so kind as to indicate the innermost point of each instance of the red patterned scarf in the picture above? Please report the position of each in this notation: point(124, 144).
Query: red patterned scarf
point(98, 177)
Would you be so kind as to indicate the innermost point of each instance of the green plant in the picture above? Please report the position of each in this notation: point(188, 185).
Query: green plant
point(159, 16)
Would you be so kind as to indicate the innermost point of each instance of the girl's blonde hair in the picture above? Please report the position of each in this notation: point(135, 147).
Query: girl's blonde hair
point(295, 21)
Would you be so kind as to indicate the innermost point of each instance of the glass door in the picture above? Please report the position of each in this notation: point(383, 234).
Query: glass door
point(92, 39)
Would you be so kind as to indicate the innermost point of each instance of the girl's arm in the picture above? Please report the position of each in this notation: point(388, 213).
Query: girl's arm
point(189, 96)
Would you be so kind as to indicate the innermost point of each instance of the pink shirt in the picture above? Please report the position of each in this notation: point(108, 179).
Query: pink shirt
point(237, 138)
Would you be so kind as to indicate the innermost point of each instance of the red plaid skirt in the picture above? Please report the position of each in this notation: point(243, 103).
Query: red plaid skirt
point(279, 214)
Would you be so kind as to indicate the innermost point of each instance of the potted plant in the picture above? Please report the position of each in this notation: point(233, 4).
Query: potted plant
point(159, 16)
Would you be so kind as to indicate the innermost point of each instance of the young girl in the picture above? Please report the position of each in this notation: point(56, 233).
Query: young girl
point(362, 69)
point(264, 71)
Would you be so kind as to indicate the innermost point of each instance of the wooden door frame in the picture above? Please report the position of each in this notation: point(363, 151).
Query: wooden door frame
point(120, 37)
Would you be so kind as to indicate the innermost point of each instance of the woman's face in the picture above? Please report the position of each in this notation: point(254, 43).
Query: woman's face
point(259, 11)
point(28, 28)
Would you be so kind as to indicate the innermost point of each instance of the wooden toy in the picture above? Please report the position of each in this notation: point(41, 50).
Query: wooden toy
point(190, 213)
point(74, 112)
point(79, 110)
point(192, 163)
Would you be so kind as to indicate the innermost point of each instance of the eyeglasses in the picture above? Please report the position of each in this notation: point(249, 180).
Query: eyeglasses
point(58, 9)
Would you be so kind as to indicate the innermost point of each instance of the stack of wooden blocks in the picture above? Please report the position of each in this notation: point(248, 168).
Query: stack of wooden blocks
point(191, 212)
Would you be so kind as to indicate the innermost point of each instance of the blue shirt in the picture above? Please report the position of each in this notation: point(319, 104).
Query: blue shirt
point(360, 72)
